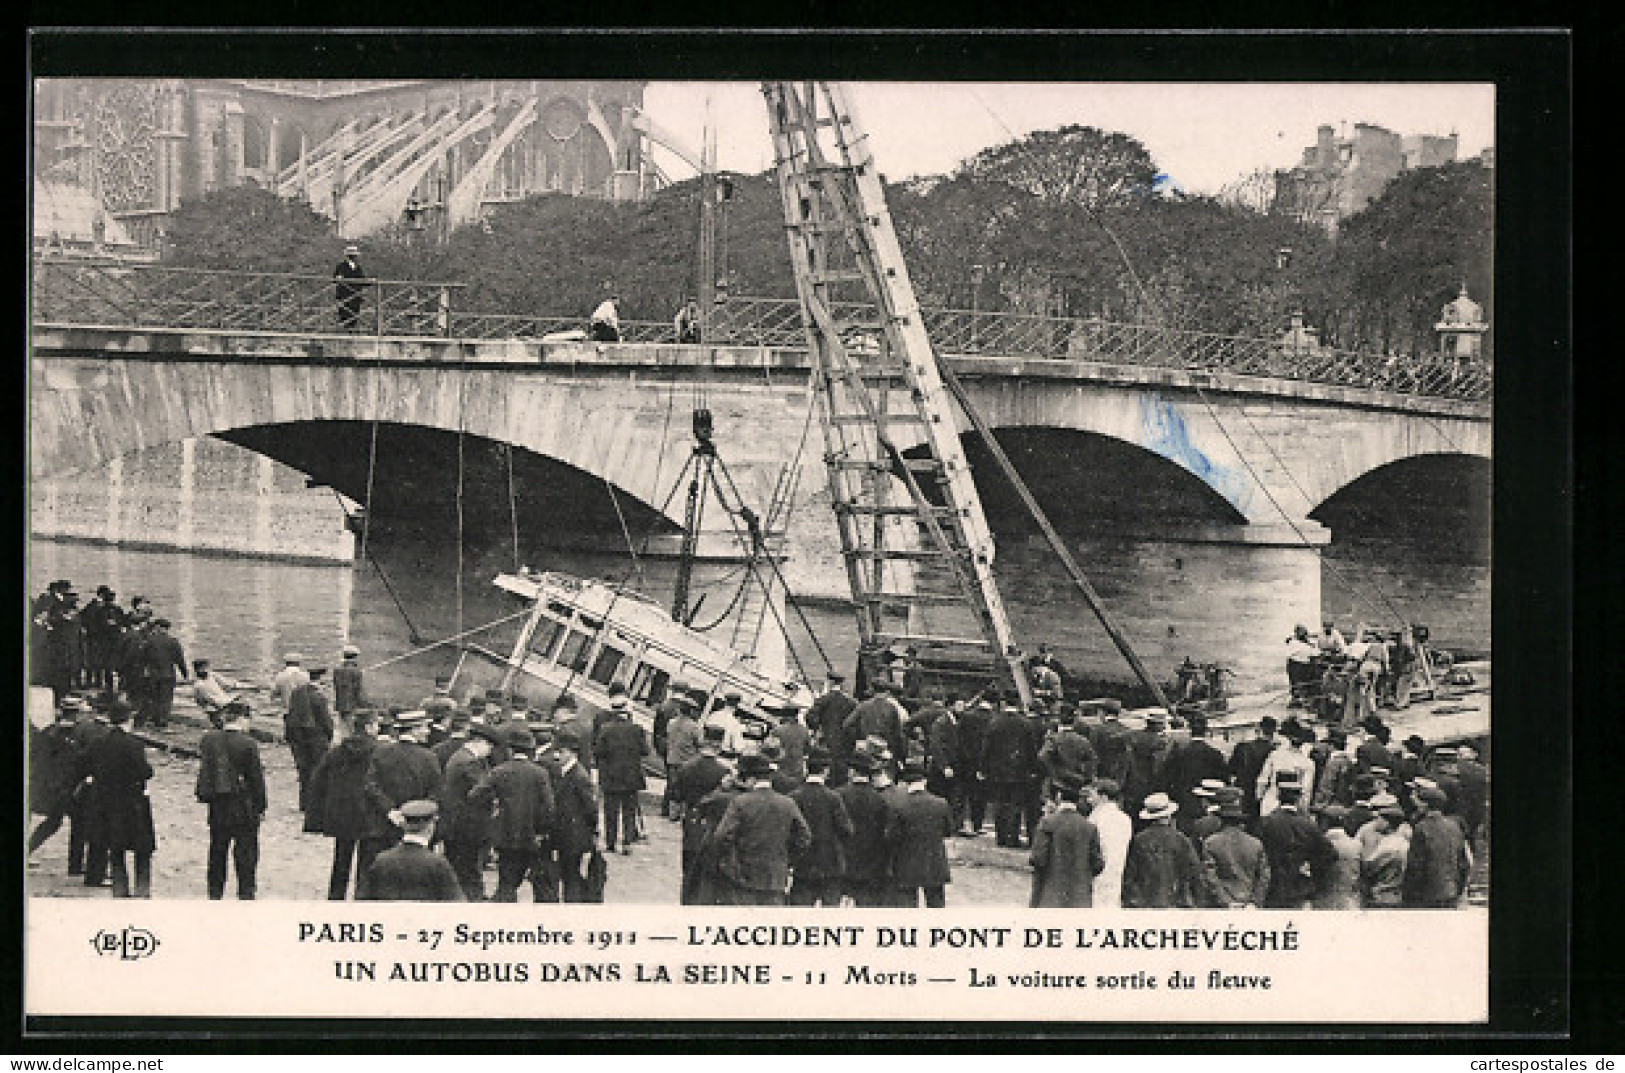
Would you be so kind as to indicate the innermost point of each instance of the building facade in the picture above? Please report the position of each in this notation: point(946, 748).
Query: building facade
point(1339, 176)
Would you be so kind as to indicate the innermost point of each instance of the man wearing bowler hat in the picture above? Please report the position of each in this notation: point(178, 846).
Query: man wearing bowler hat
point(759, 835)
point(620, 747)
point(119, 772)
point(163, 656)
point(1297, 848)
point(465, 818)
point(411, 871)
point(1163, 871)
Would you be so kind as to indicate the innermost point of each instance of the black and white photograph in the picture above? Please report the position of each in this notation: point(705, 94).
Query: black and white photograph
point(576, 498)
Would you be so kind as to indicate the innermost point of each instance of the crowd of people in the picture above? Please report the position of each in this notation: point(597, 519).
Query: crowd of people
point(1347, 682)
point(851, 800)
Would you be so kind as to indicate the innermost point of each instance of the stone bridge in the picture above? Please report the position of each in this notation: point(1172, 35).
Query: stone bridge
point(1205, 499)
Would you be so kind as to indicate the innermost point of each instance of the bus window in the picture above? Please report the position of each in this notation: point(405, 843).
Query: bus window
point(604, 667)
point(573, 653)
point(650, 684)
point(546, 637)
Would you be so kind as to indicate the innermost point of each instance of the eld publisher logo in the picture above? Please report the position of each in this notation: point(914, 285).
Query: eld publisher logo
point(131, 944)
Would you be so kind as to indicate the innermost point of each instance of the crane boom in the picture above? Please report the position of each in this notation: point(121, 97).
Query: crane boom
point(913, 533)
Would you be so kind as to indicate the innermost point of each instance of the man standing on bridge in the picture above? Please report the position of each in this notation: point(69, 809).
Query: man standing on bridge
point(605, 326)
point(347, 288)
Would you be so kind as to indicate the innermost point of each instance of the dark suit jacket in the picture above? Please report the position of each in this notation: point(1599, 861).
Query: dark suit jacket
point(868, 856)
point(1110, 739)
point(878, 717)
point(463, 817)
point(230, 777)
point(119, 772)
point(1069, 753)
point(163, 656)
point(345, 800)
point(697, 778)
point(826, 717)
point(406, 771)
point(523, 792)
point(1235, 869)
point(620, 749)
point(409, 873)
point(1066, 858)
point(1010, 753)
point(575, 824)
point(831, 827)
point(942, 748)
point(1295, 845)
point(1187, 764)
point(1246, 763)
point(973, 725)
point(918, 824)
point(761, 831)
point(1162, 871)
point(1437, 868)
point(56, 763)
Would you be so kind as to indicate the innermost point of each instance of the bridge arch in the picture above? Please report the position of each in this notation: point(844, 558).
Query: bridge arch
point(95, 413)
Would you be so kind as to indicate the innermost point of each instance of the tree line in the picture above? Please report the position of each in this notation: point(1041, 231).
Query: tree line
point(1074, 221)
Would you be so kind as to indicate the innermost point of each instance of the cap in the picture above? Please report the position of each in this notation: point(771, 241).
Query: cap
point(754, 766)
point(352, 249)
point(161, 623)
point(293, 657)
point(913, 771)
point(1230, 808)
point(419, 811)
point(1208, 788)
point(351, 651)
point(713, 733)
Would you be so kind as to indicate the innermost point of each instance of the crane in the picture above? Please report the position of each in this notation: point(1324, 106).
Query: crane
point(913, 532)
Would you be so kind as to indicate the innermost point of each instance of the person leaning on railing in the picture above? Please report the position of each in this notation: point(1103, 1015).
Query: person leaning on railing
point(348, 288)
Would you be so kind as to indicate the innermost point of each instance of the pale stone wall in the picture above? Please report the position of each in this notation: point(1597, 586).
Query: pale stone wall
point(196, 495)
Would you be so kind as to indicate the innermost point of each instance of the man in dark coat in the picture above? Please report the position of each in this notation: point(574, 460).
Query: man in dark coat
point(119, 772)
point(1147, 747)
point(1162, 870)
point(88, 855)
point(1235, 868)
point(974, 722)
point(163, 656)
point(683, 738)
point(1009, 761)
point(349, 692)
point(1066, 854)
point(693, 783)
point(457, 724)
point(347, 805)
point(880, 716)
point(56, 766)
point(575, 825)
point(405, 769)
point(944, 768)
point(231, 782)
point(759, 835)
point(1439, 863)
point(1475, 791)
point(793, 740)
point(918, 828)
point(1067, 755)
point(818, 872)
point(1110, 738)
point(826, 718)
point(1187, 764)
point(868, 855)
point(1247, 762)
point(308, 728)
point(411, 871)
point(466, 820)
point(103, 623)
point(620, 747)
point(523, 793)
point(349, 288)
point(1296, 847)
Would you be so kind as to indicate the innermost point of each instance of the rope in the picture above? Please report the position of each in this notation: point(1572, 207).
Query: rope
point(372, 465)
point(448, 640)
point(513, 506)
point(462, 385)
point(637, 564)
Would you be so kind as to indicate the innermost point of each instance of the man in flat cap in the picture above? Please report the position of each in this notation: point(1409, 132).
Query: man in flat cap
point(758, 836)
point(308, 728)
point(1235, 868)
point(1110, 739)
point(1439, 863)
point(575, 827)
point(1384, 852)
point(920, 824)
point(411, 871)
point(793, 739)
point(405, 769)
point(348, 694)
point(163, 656)
point(683, 738)
point(826, 718)
point(1162, 870)
point(522, 791)
point(1066, 854)
point(231, 782)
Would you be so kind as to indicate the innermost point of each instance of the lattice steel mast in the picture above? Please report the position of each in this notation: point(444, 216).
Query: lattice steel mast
point(907, 525)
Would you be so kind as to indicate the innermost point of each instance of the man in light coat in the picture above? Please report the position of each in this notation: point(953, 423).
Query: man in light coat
point(1116, 830)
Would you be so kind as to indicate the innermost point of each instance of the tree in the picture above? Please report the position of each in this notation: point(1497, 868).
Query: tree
point(1081, 166)
point(249, 229)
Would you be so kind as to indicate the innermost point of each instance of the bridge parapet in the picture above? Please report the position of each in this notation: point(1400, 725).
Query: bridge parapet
point(79, 292)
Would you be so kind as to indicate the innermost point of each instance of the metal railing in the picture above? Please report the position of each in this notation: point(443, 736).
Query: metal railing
point(87, 292)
